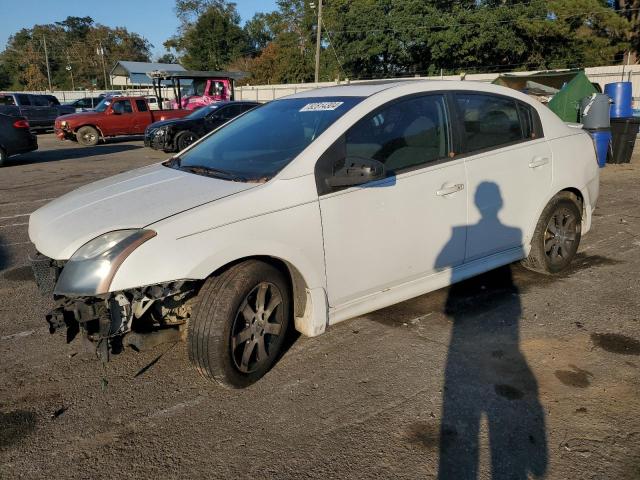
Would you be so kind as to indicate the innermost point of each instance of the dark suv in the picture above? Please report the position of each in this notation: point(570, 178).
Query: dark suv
point(177, 134)
point(40, 110)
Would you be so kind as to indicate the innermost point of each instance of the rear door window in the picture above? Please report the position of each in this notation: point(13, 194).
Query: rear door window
point(142, 105)
point(23, 99)
point(39, 101)
point(488, 121)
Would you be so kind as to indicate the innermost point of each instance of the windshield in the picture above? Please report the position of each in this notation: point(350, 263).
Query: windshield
point(196, 88)
point(260, 143)
point(103, 105)
point(202, 112)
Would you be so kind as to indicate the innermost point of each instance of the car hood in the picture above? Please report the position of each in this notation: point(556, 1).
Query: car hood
point(80, 116)
point(130, 200)
point(177, 122)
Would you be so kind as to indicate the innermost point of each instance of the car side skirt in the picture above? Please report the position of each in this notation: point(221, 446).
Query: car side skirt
point(415, 288)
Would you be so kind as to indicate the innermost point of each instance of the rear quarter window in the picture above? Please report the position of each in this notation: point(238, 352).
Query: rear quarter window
point(40, 101)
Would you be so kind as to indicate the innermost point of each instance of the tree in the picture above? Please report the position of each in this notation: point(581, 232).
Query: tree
point(213, 41)
point(167, 58)
point(261, 30)
point(70, 43)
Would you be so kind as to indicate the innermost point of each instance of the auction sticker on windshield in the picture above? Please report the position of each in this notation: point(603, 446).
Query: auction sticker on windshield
point(320, 106)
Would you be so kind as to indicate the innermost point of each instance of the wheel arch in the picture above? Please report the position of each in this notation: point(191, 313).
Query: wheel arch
point(75, 130)
point(582, 201)
point(309, 309)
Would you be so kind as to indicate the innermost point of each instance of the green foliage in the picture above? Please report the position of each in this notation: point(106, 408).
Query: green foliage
point(213, 41)
point(72, 42)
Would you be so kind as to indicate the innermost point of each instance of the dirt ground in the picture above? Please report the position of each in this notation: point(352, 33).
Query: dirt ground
point(534, 375)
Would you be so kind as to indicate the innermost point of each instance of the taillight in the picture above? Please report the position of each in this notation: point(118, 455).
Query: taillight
point(20, 124)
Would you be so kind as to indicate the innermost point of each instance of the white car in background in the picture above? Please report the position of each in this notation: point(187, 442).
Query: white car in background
point(313, 209)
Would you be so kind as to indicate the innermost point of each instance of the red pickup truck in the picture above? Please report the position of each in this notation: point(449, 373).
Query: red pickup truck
point(112, 117)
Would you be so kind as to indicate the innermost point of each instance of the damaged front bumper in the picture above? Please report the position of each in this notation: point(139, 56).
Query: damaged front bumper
point(139, 317)
point(158, 139)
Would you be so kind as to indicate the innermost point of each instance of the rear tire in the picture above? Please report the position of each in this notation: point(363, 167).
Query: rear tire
point(557, 235)
point(184, 139)
point(3, 157)
point(239, 323)
point(87, 136)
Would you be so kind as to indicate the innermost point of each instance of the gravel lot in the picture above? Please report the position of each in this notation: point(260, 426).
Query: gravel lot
point(539, 375)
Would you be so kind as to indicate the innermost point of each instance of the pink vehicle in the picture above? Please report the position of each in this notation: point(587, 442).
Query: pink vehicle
point(203, 92)
point(196, 89)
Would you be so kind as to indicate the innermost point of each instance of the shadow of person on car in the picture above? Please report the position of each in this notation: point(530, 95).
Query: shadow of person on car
point(486, 374)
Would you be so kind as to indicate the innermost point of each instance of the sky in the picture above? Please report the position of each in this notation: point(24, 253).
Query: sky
point(153, 19)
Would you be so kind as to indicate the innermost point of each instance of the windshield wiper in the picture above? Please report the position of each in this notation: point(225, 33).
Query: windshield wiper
point(212, 172)
point(173, 162)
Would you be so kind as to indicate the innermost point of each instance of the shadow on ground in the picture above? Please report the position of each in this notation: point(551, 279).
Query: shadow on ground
point(14, 426)
point(74, 152)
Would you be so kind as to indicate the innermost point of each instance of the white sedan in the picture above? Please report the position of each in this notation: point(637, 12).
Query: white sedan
point(311, 210)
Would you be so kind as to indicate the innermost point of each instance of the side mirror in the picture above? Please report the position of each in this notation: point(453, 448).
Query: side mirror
point(357, 171)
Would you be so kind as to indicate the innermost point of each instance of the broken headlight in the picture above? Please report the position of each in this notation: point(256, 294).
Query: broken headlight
point(90, 270)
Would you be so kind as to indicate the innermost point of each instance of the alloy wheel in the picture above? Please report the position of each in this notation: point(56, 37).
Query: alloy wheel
point(257, 323)
point(561, 235)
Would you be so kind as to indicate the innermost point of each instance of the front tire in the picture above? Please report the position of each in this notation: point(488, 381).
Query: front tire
point(87, 136)
point(557, 235)
point(3, 157)
point(239, 324)
point(184, 139)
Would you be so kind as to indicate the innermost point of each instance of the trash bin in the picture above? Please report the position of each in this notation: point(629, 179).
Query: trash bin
point(602, 139)
point(594, 111)
point(623, 133)
point(622, 97)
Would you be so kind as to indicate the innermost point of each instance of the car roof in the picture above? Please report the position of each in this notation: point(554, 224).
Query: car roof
point(351, 90)
point(368, 89)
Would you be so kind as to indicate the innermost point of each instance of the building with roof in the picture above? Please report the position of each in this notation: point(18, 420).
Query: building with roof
point(134, 74)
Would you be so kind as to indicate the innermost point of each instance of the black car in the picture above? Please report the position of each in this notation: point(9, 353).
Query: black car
point(176, 135)
point(15, 137)
point(84, 104)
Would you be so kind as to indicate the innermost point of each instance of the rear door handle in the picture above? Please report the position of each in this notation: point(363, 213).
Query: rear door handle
point(449, 190)
point(538, 162)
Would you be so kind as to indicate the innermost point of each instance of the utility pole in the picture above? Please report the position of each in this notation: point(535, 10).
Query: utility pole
point(46, 59)
point(100, 52)
point(69, 69)
point(318, 39)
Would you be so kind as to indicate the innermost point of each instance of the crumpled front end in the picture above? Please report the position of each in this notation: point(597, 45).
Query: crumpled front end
point(139, 318)
point(62, 130)
point(158, 138)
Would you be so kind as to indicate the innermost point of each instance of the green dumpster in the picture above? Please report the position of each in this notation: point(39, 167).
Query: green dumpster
point(560, 90)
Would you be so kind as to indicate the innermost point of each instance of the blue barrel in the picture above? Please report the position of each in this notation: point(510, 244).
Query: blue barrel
point(622, 96)
point(602, 139)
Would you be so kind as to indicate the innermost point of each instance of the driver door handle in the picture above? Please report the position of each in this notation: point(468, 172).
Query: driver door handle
point(538, 162)
point(449, 190)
